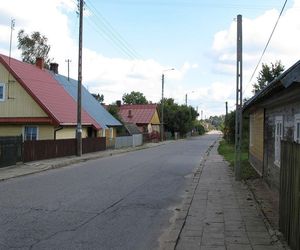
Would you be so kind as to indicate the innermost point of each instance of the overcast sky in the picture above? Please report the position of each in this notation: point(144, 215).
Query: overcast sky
point(129, 43)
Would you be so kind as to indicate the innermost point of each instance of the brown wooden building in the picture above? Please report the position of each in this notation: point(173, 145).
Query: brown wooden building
point(274, 115)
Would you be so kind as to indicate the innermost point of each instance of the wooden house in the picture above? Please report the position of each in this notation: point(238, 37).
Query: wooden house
point(34, 103)
point(107, 122)
point(274, 115)
point(145, 116)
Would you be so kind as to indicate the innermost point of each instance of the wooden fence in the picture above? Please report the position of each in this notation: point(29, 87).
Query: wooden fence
point(10, 150)
point(46, 149)
point(289, 206)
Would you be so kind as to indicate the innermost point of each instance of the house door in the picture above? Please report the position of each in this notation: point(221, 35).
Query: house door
point(278, 138)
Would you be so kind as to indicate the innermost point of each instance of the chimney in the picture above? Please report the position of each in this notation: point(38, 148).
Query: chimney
point(54, 67)
point(118, 103)
point(39, 62)
point(129, 113)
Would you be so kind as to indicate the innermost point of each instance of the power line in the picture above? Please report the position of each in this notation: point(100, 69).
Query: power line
point(268, 42)
point(104, 34)
point(109, 34)
point(112, 30)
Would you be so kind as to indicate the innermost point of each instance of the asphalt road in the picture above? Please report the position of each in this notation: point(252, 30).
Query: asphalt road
point(118, 202)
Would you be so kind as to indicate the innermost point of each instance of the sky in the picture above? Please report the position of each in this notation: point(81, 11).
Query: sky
point(129, 44)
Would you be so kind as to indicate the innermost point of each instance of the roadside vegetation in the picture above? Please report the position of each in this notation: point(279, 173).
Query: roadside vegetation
point(227, 151)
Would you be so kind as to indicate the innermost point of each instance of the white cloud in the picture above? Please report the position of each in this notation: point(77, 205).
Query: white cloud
point(115, 76)
point(110, 76)
point(284, 45)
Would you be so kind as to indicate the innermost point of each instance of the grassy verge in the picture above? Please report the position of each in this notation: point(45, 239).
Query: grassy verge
point(227, 151)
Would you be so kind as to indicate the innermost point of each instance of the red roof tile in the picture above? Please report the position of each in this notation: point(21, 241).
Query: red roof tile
point(47, 92)
point(137, 113)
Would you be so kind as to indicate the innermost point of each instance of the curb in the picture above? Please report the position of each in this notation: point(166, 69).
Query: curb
point(172, 235)
point(72, 160)
point(276, 236)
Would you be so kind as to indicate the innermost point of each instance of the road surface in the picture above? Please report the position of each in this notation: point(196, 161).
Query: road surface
point(118, 202)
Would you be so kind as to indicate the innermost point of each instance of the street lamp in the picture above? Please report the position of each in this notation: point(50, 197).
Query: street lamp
point(186, 97)
point(162, 103)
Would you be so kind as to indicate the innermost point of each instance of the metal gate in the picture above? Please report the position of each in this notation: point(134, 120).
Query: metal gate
point(10, 150)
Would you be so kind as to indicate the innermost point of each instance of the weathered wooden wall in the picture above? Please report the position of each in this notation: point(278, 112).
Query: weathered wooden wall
point(289, 208)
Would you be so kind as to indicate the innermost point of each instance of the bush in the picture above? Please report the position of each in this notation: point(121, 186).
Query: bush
point(227, 150)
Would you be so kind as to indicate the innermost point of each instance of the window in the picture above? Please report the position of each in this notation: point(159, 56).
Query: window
point(278, 138)
point(2, 92)
point(30, 133)
point(297, 128)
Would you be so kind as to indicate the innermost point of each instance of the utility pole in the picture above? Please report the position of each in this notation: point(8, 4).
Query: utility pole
point(162, 104)
point(12, 27)
point(226, 119)
point(79, 85)
point(186, 99)
point(239, 98)
point(226, 106)
point(162, 108)
point(68, 62)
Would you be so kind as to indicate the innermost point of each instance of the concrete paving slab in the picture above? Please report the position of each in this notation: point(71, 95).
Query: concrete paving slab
point(224, 212)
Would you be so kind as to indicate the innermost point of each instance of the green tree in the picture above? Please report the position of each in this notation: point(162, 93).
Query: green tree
point(98, 97)
point(217, 121)
point(114, 111)
point(134, 98)
point(178, 118)
point(33, 46)
point(267, 74)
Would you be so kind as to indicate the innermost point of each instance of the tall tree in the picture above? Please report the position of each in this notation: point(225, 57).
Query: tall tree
point(33, 46)
point(178, 118)
point(134, 98)
point(98, 97)
point(267, 75)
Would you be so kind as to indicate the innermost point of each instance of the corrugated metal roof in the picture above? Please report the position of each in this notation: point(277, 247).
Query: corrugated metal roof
point(47, 92)
point(132, 128)
point(137, 113)
point(89, 103)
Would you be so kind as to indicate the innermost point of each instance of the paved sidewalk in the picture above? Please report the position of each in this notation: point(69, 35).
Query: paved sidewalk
point(219, 213)
point(43, 165)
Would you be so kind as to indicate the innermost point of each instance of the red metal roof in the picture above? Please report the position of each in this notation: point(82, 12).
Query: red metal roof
point(47, 92)
point(24, 120)
point(137, 113)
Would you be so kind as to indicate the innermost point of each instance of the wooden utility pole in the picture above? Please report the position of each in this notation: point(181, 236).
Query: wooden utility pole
point(68, 62)
point(239, 99)
point(79, 85)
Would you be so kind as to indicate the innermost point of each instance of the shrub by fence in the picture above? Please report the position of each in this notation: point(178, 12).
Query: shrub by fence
point(289, 203)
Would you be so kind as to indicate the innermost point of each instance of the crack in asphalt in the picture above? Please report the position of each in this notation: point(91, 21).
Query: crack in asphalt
point(79, 226)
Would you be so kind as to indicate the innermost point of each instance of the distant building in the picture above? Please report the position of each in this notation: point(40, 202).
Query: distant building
point(145, 116)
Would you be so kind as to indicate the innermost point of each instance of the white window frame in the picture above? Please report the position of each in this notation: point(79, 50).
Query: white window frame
point(297, 128)
point(37, 132)
point(278, 137)
point(3, 86)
